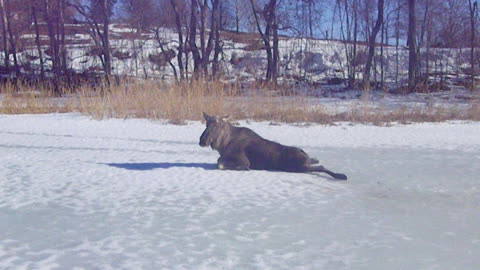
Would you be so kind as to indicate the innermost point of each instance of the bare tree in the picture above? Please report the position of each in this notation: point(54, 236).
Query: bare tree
point(310, 8)
point(208, 37)
point(142, 14)
point(97, 16)
point(5, 19)
point(349, 28)
point(388, 21)
point(371, 45)
point(215, 29)
point(181, 41)
point(102, 12)
point(397, 43)
point(451, 23)
point(473, 8)
point(165, 52)
point(192, 39)
point(412, 42)
point(198, 36)
point(237, 16)
point(269, 36)
point(33, 7)
point(426, 27)
point(54, 17)
point(10, 35)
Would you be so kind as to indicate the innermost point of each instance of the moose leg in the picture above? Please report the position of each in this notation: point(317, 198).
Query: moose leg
point(339, 176)
point(234, 163)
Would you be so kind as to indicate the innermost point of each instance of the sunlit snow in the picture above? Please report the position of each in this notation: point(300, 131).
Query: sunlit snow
point(77, 193)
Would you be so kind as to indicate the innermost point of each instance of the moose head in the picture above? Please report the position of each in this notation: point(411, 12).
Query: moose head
point(217, 131)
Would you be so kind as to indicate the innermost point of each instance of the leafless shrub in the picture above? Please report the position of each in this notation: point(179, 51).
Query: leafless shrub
point(161, 59)
point(122, 55)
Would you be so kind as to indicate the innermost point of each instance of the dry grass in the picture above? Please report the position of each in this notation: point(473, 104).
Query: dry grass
point(25, 99)
point(382, 116)
point(150, 100)
point(186, 101)
point(473, 112)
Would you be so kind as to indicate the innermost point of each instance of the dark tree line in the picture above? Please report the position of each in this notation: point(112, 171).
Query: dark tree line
point(422, 24)
point(372, 24)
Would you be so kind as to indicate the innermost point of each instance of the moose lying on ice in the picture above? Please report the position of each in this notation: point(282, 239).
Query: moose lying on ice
point(242, 149)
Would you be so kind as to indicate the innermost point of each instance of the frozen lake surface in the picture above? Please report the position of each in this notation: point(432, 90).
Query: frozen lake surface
point(77, 193)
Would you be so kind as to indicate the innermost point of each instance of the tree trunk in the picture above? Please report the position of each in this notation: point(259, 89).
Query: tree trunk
point(421, 38)
point(428, 43)
point(237, 17)
point(351, 25)
point(180, 52)
point(214, 28)
point(397, 45)
point(371, 46)
point(192, 40)
point(310, 18)
point(337, 6)
point(269, 16)
point(12, 40)
point(37, 42)
point(275, 53)
point(217, 47)
point(412, 42)
point(62, 43)
point(473, 12)
point(5, 39)
point(174, 69)
point(384, 35)
point(53, 47)
point(106, 42)
point(203, 55)
point(269, 13)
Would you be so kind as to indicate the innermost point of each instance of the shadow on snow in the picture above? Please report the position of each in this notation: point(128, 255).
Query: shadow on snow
point(162, 165)
point(168, 165)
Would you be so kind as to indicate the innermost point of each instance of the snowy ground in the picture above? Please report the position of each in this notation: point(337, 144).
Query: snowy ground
point(77, 193)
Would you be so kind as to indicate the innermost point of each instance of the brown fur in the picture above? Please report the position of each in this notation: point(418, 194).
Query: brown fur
point(241, 148)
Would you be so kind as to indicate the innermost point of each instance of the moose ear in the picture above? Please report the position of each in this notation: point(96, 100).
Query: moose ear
point(207, 117)
point(223, 118)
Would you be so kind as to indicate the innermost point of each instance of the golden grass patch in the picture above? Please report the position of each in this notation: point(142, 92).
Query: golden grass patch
point(186, 101)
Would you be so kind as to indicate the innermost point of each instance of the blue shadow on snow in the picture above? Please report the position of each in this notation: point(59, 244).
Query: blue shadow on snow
point(162, 165)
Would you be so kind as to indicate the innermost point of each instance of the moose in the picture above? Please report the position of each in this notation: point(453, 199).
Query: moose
point(241, 148)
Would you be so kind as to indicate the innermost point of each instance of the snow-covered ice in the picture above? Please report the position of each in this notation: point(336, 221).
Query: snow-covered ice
point(77, 193)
